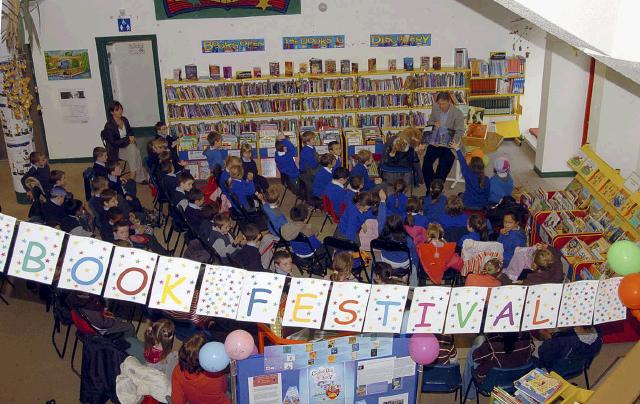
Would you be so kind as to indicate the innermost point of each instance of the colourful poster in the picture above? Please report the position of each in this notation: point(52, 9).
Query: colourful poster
point(395, 40)
point(85, 265)
point(35, 252)
point(326, 384)
point(166, 9)
point(313, 42)
point(232, 45)
point(67, 64)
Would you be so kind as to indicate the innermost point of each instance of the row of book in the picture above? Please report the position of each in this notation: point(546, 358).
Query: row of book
point(392, 84)
point(398, 120)
point(323, 85)
point(498, 65)
point(425, 99)
point(202, 110)
point(577, 250)
point(270, 106)
point(337, 121)
point(270, 87)
point(189, 93)
point(182, 129)
point(493, 106)
point(435, 80)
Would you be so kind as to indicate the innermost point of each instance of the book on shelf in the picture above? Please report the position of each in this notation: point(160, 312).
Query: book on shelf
point(371, 64)
point(229, 142)
point(354, 68)
point(249, 138)
point(330, 66)
point(538, 384)
point(328, 135)
point(391, 65)
point(475, 115)
point(620, 198)
point(461, 58)
point(372, 135)
point(274, 69)
point(576, 161)
point(499, 106)
point(244, 74)
point(302, 68)
point(576, 250)
point(214, 72)
point(268, 167)
point(609, 190)
point(599, 248)
point(628, 208)
point(268, 134)
point(425, 63)
point(497, 55)
point(177, 74)
point(632, 182)
point(353, 137)
point(634, 218)
point(345, 66)
point(191, 72)
point(437, 63)
point(315, 66)
point(597, 179)
point(257, 72)
point(408, 64)
point(288, 68)
point(227, 72)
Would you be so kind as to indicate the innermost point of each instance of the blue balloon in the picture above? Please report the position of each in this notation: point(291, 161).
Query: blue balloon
point(213, 357)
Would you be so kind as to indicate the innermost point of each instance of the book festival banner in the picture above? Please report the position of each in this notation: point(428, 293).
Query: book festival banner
point(395, 40)
point(233, 45)
point(33, 252)
point(172, 9)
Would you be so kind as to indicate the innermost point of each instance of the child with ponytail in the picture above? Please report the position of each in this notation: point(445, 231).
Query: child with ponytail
point(342, 267)
point(478, 231)
point(158, 344)
point(477, 189)
point(397, 202)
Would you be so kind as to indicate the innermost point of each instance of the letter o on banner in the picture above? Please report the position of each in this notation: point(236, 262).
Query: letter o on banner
point(124, 273)
point(74, 271)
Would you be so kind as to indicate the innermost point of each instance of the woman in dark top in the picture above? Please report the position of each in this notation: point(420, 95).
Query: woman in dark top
point(121, 143)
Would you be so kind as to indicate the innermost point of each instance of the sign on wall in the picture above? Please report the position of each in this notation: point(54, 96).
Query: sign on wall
point(395, 40)
point(166, 9)
point(313, 42)
point(232, 45)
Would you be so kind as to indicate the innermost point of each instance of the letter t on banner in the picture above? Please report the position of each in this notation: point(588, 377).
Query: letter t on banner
point(260, 299)
point(465, 310)
point(36, 252)
point(385, 308)
point(305, 303)
point(130, 275)
point(7, 226)
point(504, 310)
point(174, 284)
point(85, 265)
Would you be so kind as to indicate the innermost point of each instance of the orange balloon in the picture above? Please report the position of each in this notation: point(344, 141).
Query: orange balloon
point(629, 291)
point(636, 314)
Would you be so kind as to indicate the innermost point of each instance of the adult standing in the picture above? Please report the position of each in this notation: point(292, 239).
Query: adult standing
point(448, 122)
point(121, 143)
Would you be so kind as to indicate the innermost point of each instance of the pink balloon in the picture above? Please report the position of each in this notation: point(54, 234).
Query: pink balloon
point(255, 350)
point(423, 348)
point(239, 344)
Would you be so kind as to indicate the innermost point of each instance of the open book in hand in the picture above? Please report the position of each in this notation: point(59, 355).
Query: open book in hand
point(434, 137)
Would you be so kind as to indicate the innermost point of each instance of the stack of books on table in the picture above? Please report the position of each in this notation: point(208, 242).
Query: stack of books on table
point(536, 387)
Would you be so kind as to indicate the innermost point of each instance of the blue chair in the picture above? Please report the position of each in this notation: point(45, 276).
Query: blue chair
point(442, 379)
point(569, 368)
point(498, 377)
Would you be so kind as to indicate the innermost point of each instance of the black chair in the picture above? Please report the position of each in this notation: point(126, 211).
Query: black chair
point(288, 184)
point(308, 198)
point(61, 317)
point(87, 176)
point(314, 264)
point(570, 368)
point(442, 379)
point(242, 215)
point(331, 244)
point(380, 244)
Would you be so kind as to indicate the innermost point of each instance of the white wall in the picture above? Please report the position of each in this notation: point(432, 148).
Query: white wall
point(479, 25)
point(613, 126)
point(564, 91)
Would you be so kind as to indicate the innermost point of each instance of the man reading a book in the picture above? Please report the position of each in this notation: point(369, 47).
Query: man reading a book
point(445, 125)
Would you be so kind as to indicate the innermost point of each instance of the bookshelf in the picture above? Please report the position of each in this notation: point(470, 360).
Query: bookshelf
point(497, 84)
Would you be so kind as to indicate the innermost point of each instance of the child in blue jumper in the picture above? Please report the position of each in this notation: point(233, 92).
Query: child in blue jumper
point(224, 179)
point(501, 184)
point(434, 202)
point(214, 154)
point(453, 215)
point(296, 226)
point(308, 155)
point(511, 237)
point(323, 175)
point(335, 191)
point(354, 217)
point(285, 154)
point(354, 187)
point(334, 148)
point(478, 231)
point(270, 207)
point(364, 158)
point(243, 189)
point(397, 202)
point(476, 189)
point(414, 211)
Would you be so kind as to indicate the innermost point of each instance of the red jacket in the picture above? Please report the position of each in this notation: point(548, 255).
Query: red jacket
point(198, 388)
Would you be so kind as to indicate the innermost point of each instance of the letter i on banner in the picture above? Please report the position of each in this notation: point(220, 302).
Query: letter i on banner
point(578, 300)
point(465, 310)
point(608, 305)
point(504, 310)
point(542, 306)
point(220, 291)
point(85, 265)
point(347, 306)
point(305, 303)
point(35, 252)
point(385, 308)
point(428, 309)
point(260, 299)
point(174, 284)
point(7, 227)
point(130, 275)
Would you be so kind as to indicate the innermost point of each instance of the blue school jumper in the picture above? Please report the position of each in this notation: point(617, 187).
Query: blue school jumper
point(215, 157)
point(243, 190)
point(511, 240)
point(360, 170)
point(338, 197)
point(397, 204)
point(285, 162)
point(351, 222)
point(308, 159)
point(320, 181)
point(499, 188)
point(431, 209)
point(419, 220)
point(473, 197)
point(474, 235)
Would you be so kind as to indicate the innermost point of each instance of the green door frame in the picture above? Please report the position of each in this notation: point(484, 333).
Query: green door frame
point(105, 76)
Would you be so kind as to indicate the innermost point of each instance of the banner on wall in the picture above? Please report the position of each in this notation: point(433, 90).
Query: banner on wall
point(232, 45)
point(172, 9)
point(312, 42)
point(395, 40)
point(171, 283)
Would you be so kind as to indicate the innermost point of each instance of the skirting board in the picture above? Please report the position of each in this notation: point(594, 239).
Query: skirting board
point(72, 160)
point(553, 174)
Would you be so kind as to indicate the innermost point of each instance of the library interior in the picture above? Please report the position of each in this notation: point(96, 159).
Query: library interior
point(268, 200)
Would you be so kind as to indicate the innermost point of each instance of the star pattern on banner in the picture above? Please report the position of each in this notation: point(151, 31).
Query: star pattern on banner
point(264, 307)
point(375, 316)
point(578, 300)
point(184, 275)
point(220, 291)
point(434, 316)
point(78, 248)
point(306, 317)
point(608, 306)
point(340, 292)
point(466, 297)
point(548, 295)
point(7, 227)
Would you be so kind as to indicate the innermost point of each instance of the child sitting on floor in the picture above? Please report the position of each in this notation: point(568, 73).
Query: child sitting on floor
point(511, 236)
point(501, 184)
point(476, 189)
point(433, 204)
point(477, 227)
point(397, 201)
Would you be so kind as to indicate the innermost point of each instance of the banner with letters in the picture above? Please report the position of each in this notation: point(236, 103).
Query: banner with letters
point(313, 42)
point(396, 40)
point(232, 45)
point(43, 254)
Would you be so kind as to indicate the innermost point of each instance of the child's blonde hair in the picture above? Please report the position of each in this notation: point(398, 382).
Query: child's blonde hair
point(246, 147)
point(274, 193)
point(435, 231)
point(232, 161)
point(342, 266)
point(492, 267)
point(363, 156)
point(161, 332)
point(236, 172)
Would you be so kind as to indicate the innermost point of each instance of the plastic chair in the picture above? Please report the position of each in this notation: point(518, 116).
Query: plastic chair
point(569, 368)
point(61, 318)
point(498, 377)
point(333, 243)
point(391, 246)
point(330, 212)
point(442, 379)
point(288, 184)
point(87, 175)
point(315, 264)
point(83, 330)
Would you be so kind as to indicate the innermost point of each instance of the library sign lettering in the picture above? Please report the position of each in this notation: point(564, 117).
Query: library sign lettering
point(47, 255)
point(394, 40)
point(232, 45)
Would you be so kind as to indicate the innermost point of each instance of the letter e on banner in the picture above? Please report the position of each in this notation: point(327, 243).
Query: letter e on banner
point(305, 303)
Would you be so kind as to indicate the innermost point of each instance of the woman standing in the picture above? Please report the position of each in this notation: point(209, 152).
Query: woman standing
point(121, 143)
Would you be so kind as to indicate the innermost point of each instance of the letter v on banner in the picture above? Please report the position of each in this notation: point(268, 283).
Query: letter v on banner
point(36, 252)
point(465, 310)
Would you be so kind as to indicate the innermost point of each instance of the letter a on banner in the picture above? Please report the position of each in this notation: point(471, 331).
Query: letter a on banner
point(465, 310)
point(541, 307)
point(36, 252)
point(428, 309)
point(385, 308)
point(85, 265)
point(174, 284)
point(504, 310)
point(347, 306)
point(220, 291)
point(7, 227)
point(130, 275)
point(305, 303)
point(578, 300)
point(260, 299)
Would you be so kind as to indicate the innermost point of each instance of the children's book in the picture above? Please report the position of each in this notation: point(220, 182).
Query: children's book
point(257, 72)
point(245, 74)
point(354, 68)
point(268, 134)
point(632, 182)
point(372, 135)
point(345, 66)
point(177, 74)
point(620, 198)
point(371, 63)
point(302, 68)
point(227, 72)
point(268, 168)
point(391, 65)
point(587, 168)
point(316, 66)
point(191, 72)
point(628, 208)
point(328, 135)
point(425, 63)
point(274, 69)
point(353, 137)
point(437, 62)
point(576, 161)
point(214, 72)
point(248, 137)
point(597, 179)
point(288, 68)
point(408, 64)
point(634, 218)
point(609, 190)
point(229, 141)
point(330, 66)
